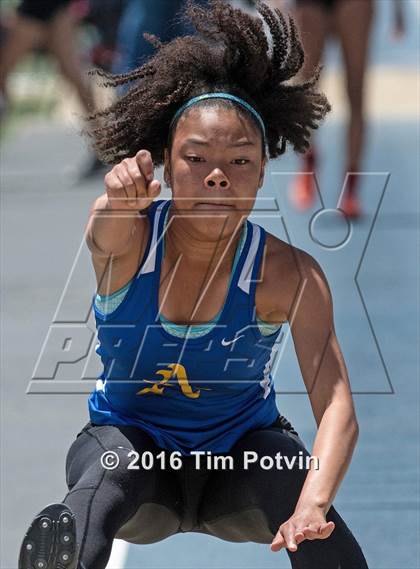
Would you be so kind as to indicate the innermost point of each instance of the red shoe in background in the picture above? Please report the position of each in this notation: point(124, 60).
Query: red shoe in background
point(303, 189)
point(350, 203)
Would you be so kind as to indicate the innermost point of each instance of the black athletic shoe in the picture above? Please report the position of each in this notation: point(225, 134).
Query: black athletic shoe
point(50, 542)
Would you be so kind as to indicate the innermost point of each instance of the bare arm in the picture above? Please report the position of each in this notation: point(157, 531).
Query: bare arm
point(114, 216)
point(116, 232)
point(325, 376)
point(309, 310)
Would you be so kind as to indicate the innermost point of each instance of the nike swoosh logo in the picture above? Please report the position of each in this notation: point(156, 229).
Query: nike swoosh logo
point(229, 342)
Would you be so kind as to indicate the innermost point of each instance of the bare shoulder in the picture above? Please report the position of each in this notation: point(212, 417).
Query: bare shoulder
point(283, 270)
point(284, 257)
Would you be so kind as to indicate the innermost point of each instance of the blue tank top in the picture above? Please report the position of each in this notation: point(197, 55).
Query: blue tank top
point(188, 394)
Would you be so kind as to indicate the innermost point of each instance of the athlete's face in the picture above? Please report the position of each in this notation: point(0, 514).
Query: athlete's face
point(216, 166)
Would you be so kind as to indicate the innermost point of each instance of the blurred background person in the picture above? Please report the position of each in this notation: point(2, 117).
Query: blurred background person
point(157, 17)
point(351, 22)
point(52, 25)
point(152, 16)
point(104, 15)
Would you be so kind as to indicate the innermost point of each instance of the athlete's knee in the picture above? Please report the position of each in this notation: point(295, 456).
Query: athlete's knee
point(111, 466)
point(119, 466)
point(355, 96)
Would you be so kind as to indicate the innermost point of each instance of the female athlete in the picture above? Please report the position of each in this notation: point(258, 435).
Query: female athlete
point(190, 302)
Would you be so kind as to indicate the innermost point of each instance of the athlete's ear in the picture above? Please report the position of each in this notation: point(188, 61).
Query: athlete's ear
point(263, 165)
point(167, 167)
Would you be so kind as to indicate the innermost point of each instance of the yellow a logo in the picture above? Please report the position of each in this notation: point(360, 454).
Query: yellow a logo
point(175, 370)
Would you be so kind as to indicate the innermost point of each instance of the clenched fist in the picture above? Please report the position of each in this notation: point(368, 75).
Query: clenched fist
point(130, 184)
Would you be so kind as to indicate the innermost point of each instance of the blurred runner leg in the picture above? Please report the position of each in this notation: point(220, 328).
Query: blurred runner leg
point(25, 35)
point(61, 41)
point(313, 19)
point(354, 42)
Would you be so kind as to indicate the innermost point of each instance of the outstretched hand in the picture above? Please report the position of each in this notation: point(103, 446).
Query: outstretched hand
point(309, 523)
point(131, 183)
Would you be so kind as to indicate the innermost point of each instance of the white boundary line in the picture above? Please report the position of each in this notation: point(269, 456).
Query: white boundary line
point(118, 554)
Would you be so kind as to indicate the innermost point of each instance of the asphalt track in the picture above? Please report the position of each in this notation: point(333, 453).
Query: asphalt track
point(374, 280)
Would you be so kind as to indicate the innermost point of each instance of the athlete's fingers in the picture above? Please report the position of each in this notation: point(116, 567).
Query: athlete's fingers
point(318, 530)
point(153, 189)
point(326, 530)
point(144, 160)
point(127, 182)
point(289, 534)
point(124, 176)
point(278, 542)
point(112, 182)
point(285, 538)
point(115, 189)
point(137, 177)
point(299, 536)
point(131, 182)
point(311, 531)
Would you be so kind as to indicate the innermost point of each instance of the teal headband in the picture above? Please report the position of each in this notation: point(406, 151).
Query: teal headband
point(220, 95)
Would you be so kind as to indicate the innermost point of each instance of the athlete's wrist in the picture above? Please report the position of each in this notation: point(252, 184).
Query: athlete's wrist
point(313, 503)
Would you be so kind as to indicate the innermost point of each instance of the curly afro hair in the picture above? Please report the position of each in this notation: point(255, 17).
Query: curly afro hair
point(253, 57)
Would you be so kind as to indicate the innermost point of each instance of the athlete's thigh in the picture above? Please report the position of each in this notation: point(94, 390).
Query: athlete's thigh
point(354, 42)
point(94, 447)
point(250, 505)
point(313, 23)
point(152, 494)
point(250, 501)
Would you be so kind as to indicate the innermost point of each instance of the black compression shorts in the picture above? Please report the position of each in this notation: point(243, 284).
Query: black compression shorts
point(146, 505)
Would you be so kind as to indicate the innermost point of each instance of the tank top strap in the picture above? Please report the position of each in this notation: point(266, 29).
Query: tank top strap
point(156, 215)
point(243, 308)
point(252, 259)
